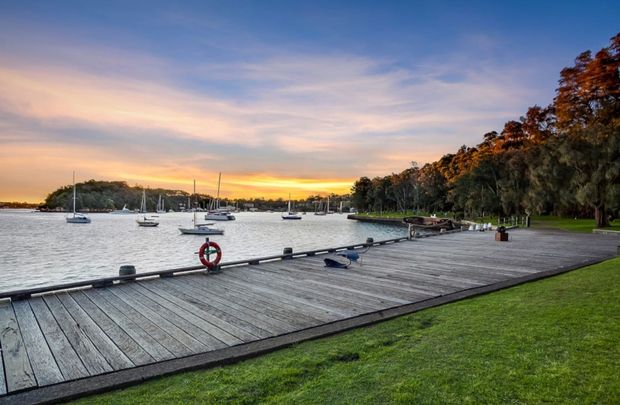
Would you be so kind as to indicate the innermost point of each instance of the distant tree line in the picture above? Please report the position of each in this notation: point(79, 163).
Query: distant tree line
point(96, 195)
point(105, 196)
point(563, 159)
point(16, 204)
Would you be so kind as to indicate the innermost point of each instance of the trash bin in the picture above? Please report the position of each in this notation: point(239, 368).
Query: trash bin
point(501, 235)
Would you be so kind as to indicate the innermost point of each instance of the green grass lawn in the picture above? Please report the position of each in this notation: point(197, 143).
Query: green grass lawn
point(570, 224)
point(556, 340)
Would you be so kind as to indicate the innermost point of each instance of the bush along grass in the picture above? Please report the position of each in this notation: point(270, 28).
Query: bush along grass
point(556, 340)
point(570, 224)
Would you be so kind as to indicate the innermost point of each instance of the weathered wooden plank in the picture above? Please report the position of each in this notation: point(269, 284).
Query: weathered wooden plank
point(355, 282)
point(68, 361)
point(365, 280)
point(355, 305)
point(242, 331)
point(227, 306)
point(281, 310)
point(146, 322)
point(43, 363)
point(301, 298)
point(142, 337)
point(204, 331)
point(18, 372)
point(323, 314)
point(125, 343)
point(108, 349)
point(93, 360)
point(164, 320)
point(303, 280)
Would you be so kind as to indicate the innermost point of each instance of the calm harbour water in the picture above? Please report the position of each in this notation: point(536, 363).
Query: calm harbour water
point(41, 249)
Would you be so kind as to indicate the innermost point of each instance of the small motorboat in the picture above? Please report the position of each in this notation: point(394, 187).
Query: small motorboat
point(201, 229)
point(147, 222)
point(220, 215)
point(78, 218)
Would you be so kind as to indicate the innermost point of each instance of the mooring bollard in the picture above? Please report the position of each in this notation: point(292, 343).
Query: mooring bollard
point(369, 241)
point(127, 270)
point(288, 253)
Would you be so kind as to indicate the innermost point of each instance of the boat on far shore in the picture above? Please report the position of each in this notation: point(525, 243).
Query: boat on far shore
point(122, 211)
point(148, 222)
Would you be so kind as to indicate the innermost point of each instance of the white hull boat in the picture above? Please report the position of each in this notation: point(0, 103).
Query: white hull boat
point(290, 214)
point(77, 217)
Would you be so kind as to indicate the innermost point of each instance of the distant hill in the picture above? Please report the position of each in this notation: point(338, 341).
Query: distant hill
point(105, 196)
point(95, 195)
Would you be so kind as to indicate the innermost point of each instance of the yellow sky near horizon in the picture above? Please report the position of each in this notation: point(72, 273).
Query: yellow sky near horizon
point(232, 187)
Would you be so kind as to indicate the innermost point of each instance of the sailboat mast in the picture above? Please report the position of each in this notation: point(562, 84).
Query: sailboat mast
point(195, 198)
point(219, 180)
point(289, 202)
point(74, 193)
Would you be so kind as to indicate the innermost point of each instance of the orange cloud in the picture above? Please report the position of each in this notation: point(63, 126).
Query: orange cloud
point(308, 124)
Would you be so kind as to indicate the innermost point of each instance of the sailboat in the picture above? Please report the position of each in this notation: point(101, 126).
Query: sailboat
point(146, 221)
point(200, 229)
point(327, 211)
point(320, 211)
point(217, 213)
point(290, 214)
point(160, 205)
point(77, 217)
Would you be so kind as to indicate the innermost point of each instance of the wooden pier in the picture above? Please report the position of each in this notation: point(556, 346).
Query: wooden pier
point(62, 342)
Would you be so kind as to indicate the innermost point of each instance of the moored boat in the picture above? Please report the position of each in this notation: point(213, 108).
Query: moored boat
point(431, 223)
point(77, 218)
point(147, 222)
point(216, 213)
point(290, 214)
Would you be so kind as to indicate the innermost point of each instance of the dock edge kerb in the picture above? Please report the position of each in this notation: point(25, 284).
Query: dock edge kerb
point(125, 378)
point(110, 281)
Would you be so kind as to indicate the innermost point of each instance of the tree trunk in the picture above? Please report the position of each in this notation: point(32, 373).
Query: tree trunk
point(600, 216)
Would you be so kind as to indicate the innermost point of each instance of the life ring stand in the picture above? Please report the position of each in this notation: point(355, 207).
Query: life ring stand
point(412, 232)
point(206, 250)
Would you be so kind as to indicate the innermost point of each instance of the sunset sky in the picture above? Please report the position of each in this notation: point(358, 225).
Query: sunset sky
point(299, 97)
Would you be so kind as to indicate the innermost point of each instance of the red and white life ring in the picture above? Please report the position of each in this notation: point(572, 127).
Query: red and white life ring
point(203, 251)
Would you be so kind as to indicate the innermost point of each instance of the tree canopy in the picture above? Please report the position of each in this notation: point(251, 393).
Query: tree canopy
point(562, 159)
